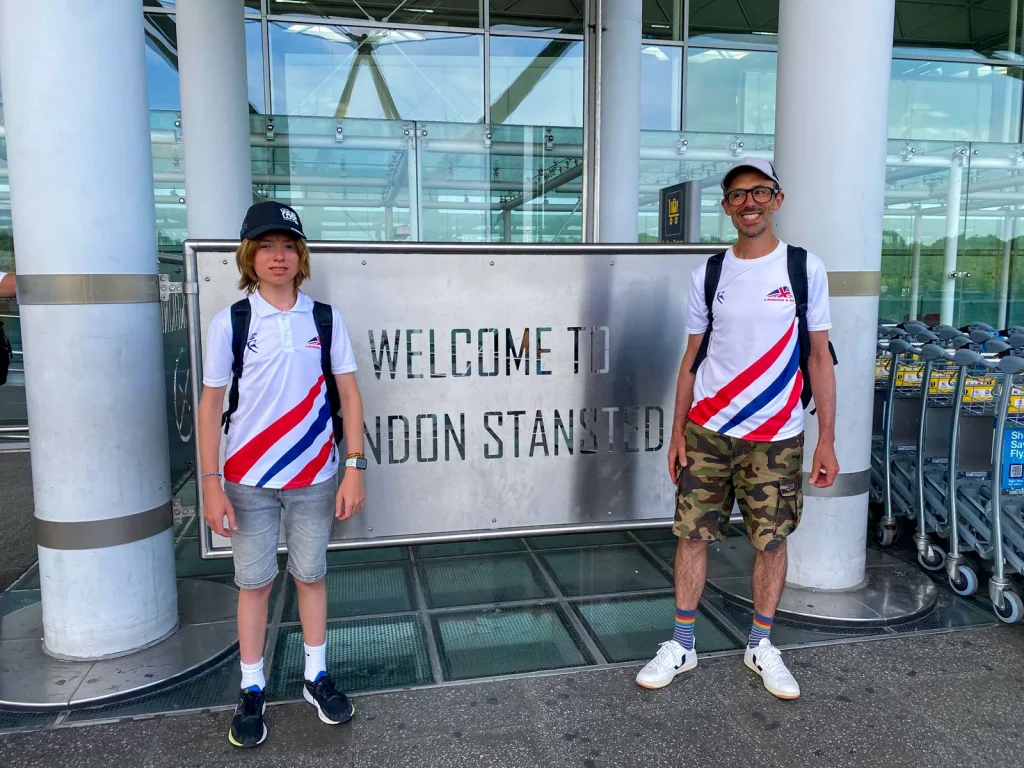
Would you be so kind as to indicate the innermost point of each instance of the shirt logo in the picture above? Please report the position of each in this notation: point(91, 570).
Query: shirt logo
point(251, 344)
point(313, 343)
point(721, 297)
point(289, 215)
point(780, 294)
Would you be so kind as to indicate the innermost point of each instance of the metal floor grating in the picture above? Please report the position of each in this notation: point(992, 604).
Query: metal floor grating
point(217, 687)
point(360, 556)
point(455, 548)
point(435, 613)
point(560, 541)
point(632, 628)
point(784, 631)
point(478, 580)
point(506, 641)
point(655, 534)
point(17, 599)
point(362, 655)
point(361, 591)
point(604, 570)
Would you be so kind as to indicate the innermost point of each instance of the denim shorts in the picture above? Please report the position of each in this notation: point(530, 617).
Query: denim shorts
point(307, 515)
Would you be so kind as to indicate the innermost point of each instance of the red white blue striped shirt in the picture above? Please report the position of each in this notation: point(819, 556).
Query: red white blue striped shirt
point(749, 386)
point(281, 436)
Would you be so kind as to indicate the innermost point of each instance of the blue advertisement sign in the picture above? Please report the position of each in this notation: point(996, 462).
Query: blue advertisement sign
point(1013, 460)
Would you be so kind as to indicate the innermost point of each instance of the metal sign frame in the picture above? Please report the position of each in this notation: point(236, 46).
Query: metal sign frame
point(614, 278)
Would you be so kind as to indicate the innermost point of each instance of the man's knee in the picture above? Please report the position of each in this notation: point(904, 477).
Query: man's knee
point(691, 547)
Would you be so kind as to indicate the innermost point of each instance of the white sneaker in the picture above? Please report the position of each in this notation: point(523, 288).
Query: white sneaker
point(672, 659)
point(767, 662)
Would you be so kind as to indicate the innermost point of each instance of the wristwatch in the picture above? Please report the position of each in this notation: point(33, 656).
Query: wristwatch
point(356, 461)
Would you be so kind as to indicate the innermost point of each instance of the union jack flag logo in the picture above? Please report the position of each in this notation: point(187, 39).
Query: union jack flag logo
point(313, 343)
point(780, 294)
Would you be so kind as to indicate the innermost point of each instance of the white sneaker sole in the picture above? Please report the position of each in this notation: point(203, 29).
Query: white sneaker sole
point(690, 664)
point(773, 691)
point(323, 718)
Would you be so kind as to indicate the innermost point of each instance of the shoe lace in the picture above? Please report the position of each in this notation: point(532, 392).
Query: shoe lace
point(666, 656)
point(251, 704)
point(326, 688)
point(771, 661)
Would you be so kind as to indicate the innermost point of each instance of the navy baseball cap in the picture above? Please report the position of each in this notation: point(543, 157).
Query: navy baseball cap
point(270, 216)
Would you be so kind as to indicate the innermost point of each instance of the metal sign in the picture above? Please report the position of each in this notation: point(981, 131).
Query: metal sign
point(1013, 460)
point(506, 390)
point(679, 213)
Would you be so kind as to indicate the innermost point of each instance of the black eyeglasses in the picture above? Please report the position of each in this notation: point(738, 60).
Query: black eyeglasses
point(737, 197)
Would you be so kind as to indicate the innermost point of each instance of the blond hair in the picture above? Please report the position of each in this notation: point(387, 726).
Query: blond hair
point(245, 258)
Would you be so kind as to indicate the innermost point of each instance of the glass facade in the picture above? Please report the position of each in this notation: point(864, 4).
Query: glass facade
point(462, 121)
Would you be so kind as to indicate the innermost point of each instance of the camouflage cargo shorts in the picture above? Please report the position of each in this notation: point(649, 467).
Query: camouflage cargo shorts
point(764, 479)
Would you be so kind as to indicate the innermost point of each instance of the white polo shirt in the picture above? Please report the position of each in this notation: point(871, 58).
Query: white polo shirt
point(750, 383)
point(281, 436)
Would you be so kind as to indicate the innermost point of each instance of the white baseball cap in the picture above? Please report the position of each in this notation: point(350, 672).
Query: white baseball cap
point(755, 163)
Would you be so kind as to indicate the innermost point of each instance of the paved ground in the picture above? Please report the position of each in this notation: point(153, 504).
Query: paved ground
point(17, 543)
point(935, 700)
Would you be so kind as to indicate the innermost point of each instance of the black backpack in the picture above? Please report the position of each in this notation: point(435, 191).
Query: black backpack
point(6, 353)
point(796, 262)
point(323, 317)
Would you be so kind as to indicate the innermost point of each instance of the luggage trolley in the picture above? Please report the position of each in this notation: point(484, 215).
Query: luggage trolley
point(900, 431)
point(883, 367)
point(972, 463)
point(920, 473)
point(999, 496)
point(954, 365)
point(939, 379)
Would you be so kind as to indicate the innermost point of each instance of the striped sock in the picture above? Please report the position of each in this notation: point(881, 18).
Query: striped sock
point(761, 627)
point(683, 633)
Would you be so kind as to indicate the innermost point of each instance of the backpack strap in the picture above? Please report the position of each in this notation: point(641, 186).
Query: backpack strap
point(6, 353)
point(796, 263)
point(323, 316)
point(241, 314)
point(712, 274)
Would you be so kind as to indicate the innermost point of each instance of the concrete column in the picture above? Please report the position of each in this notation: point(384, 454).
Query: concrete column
point(824, 134)
point(81, 177)
point(619, 161)
point(214, 116)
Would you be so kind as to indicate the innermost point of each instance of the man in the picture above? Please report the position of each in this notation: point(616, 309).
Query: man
point(7, 290)
point(737, 435)
point(281, 456)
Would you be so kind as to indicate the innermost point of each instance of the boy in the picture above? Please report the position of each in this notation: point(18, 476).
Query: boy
point(281, 458)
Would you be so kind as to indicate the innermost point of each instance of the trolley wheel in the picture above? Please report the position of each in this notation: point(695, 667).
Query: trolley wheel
point(966, 582)
point(934, 560)
point(1012, 610)
point(887, 535)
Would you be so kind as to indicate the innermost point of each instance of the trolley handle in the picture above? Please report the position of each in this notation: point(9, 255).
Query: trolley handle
point(967, 358)
point(1011, 365)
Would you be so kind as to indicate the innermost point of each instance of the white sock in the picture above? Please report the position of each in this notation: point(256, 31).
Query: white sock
point(316, 660)
point(252, 674)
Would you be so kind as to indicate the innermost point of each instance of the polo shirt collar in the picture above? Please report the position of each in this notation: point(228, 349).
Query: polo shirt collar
point(264, 308)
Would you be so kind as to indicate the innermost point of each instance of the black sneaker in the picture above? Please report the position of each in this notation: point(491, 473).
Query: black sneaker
point(332, 705)
point(247, 728)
